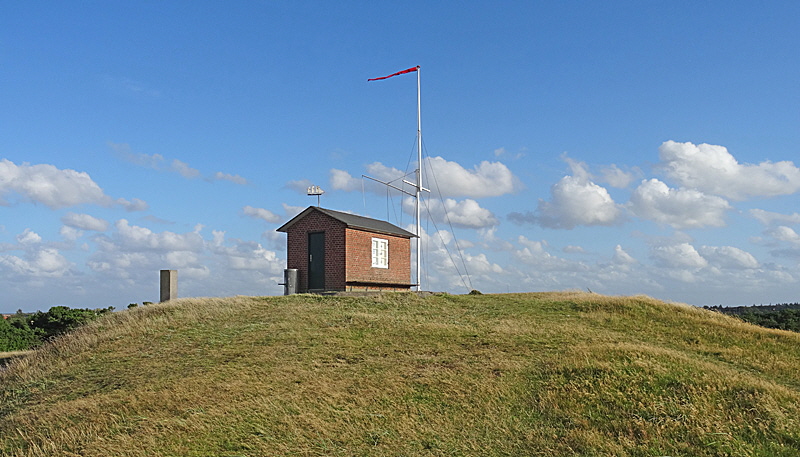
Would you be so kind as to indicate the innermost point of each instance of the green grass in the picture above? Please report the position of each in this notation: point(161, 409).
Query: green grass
point(546, 374)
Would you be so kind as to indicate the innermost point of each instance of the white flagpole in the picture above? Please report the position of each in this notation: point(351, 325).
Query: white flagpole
point(419, 186)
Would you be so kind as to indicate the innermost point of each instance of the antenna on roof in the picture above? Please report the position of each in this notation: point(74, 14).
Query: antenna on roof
point(315, 190)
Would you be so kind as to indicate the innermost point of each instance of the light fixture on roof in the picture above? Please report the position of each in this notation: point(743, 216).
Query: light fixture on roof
point(315, 190)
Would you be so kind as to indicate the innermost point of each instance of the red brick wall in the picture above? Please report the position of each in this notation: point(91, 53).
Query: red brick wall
point(297, 249)
point(346, 263)
point(359, 259)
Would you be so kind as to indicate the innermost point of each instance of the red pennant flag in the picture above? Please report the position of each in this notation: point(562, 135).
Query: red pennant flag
point(395, 74)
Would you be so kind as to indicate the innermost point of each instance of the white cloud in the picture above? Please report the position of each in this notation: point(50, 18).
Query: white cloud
point(261, 213)
point(728, 257)
point(28, 237)
point(341, 180)
point(786, 234)
point(768, 217)
point(621, 257)
point(380, 171)
point(245, 255)
point(49, 185)
point(490, 240)
point(135, 238)
point(133, 205)
point(678, 256)
point(236, 179)
point(578, 168)
point(466, 213)
point(123, 150)
point(615, 177)
point(502, 152)
point(292, 211)
point(44, 262)
point(487, 179)
point(680, 208)
point(300, 186)
point(571, 249)
point(156, 162)
point(575, 201)
point(534, 253)
point(84, 222)
point(714, 170)
point(70, 233)
point(184, 169)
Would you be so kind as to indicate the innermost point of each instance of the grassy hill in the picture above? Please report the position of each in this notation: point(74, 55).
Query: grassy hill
point(545, 374)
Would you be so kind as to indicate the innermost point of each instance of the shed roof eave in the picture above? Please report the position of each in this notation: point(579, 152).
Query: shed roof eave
point(352, 221)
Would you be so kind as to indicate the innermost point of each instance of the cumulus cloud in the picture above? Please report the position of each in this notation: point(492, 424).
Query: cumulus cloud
point(571, 249)
point(446, 267)
point(135, 238)
point(680, 208)
point(380, 171)
point(49, 185)
point(621, 257)
point(728, 257)
point(28, 237)
point(785, 234)
point(45, 262)
point(714, 170)
point(466, 213)
point(261, 213)
point(534, 253)
point(245, 255)
point(490, 240)
point(575, 201)
point(84, 222)
point(769, 218)
point(341, 180)
point(678, 256)
point(70, 233)
point(487, 179)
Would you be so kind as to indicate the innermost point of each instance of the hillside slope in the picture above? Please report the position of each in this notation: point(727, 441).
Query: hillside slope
point(514, 374)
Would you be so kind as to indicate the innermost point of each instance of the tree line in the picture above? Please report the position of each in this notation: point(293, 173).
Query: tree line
point(23, 331)
point(784, 316)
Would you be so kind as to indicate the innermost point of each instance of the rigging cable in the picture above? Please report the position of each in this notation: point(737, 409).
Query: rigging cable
point(450, 223)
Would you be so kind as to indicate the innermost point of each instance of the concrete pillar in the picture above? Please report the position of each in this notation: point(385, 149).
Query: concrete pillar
point(169, 285)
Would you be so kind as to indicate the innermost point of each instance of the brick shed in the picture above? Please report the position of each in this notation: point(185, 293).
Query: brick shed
point(333, 250)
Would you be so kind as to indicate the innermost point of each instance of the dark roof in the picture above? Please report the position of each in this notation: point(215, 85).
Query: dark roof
point(353, 221)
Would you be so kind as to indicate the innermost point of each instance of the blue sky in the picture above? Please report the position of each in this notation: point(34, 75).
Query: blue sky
point(623, 147)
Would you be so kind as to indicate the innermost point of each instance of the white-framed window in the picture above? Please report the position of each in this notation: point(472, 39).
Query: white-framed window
point(380, 253)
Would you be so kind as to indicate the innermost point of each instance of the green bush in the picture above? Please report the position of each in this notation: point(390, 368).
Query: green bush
point(24, 331)
point(16, 334)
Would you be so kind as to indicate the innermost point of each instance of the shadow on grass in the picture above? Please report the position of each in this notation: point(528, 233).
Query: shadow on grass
point(7, 357)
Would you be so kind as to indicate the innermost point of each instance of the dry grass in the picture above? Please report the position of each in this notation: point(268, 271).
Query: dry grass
point(514, 374)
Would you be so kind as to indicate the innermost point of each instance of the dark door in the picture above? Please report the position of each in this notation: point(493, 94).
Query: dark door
point(316, 261)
